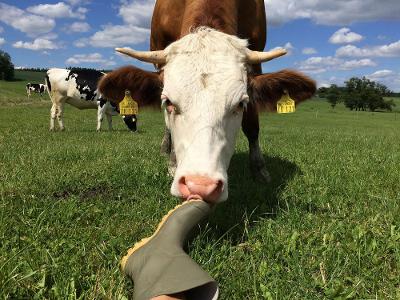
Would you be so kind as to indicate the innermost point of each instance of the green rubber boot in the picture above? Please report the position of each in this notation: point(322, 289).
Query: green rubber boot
point(158, 265)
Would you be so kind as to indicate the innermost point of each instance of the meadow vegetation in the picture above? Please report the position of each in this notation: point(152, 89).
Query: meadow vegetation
point(326, 227)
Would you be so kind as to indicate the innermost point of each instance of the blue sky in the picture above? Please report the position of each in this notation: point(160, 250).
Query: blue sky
point(329, 40)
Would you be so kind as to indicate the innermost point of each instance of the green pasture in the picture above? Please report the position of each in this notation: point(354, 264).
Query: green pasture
point(326, 227)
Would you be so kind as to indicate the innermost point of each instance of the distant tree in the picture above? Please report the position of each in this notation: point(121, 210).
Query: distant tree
point(383, 90)
point(41, 70)
point(91, 69)
point(363, 94)
point(388, 105)
point(333, 95)
point(6, 66)
point(80, 68)
point(322, 91)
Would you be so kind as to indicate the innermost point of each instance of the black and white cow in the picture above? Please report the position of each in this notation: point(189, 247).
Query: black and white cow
point(38, 88)
point(79, 89)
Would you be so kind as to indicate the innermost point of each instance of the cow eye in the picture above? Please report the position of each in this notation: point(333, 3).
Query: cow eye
point(168, 105)
point(242, 106)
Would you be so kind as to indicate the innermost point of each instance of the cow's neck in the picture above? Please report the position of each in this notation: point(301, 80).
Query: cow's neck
point(221, 15)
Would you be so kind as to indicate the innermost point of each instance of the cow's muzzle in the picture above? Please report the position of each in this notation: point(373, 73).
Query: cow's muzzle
point(200, 187)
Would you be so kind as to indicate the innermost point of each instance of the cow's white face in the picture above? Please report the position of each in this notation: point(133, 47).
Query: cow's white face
point(205, 93)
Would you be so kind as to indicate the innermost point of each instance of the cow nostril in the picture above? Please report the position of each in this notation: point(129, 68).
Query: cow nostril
point(219, 189)
point(220, 186)
point(183, 189)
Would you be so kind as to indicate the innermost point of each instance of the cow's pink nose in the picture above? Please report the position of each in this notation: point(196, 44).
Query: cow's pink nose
point(200, 187)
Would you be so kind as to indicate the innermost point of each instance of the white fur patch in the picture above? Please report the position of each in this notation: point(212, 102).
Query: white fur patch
point(205, 78)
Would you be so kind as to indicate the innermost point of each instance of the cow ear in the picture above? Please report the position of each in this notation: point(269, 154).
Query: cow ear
point(268, 88)
point(145, 87)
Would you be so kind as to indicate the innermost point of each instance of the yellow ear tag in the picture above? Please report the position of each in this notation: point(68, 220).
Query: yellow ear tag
point(128, 106)
point(286, 104)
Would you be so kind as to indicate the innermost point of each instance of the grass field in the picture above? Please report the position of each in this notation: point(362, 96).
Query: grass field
point(327, 227)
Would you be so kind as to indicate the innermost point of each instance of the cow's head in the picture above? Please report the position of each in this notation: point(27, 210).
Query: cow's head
point(204, 88)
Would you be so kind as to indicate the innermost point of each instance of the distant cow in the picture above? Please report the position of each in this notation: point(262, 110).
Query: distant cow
point(79, 88)
point(35, 88)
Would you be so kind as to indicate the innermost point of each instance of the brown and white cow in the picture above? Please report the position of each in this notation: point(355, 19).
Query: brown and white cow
point(210, 82)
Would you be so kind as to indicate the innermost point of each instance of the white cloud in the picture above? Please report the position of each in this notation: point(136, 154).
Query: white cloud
point(387, 77)
point(30, 24)
point(391, 50)
point(381, 74)
point(89, 58)
point(83, 42)
point(339, 12)
point(319, 64)
point(345, 36)
point(80, 2)
point(137, 12)
point(116, 36)
point(2, 41)
point(309, 51)
point(289, 47)
point(49, 36)
point(37, 44)
point(323, 84)
point(58, 10)
point(316, 65)
point(136, 15)
point(355, 64)
point(78, 27)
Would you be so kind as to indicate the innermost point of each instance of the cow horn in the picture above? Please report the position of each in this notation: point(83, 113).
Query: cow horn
point(256, 57)
point(155, 57)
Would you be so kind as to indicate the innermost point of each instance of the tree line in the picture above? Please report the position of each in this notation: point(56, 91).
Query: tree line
point(359, 94)
point(43, 70)
point(40, 70)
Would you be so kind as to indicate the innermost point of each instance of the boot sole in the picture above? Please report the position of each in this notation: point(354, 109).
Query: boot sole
point(144, 241)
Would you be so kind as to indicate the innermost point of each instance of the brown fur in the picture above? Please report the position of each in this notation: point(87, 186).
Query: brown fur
point(173, 19)
point(268, 88)
point(145, 87)
point(214, 14)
